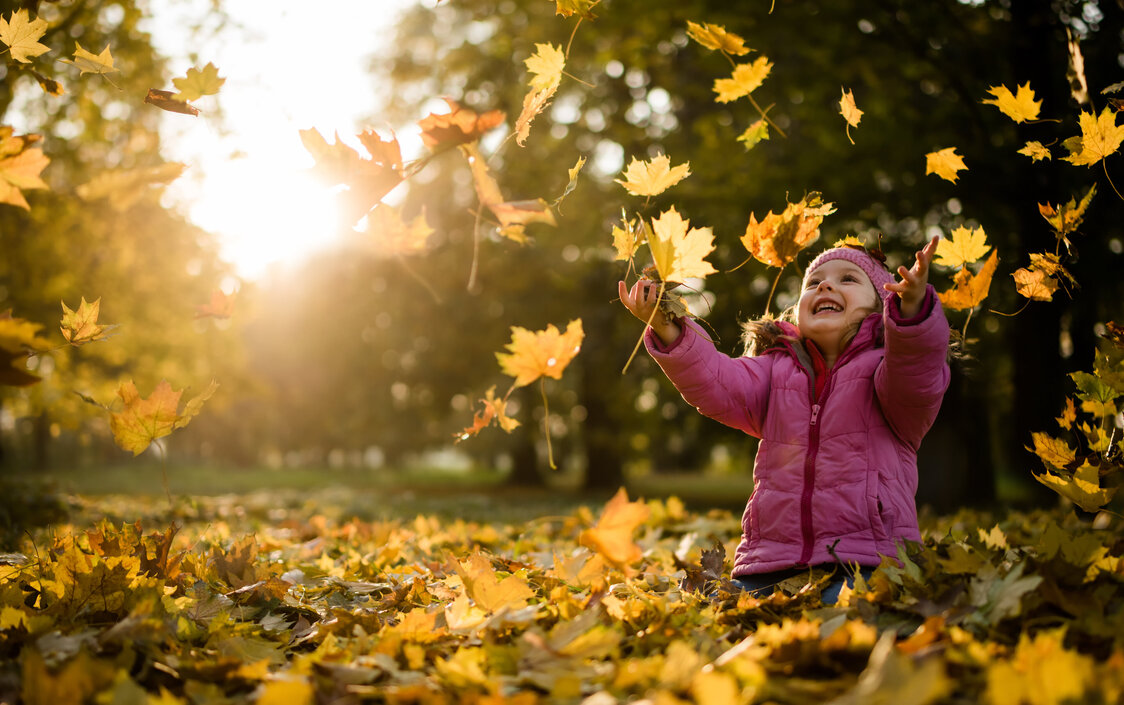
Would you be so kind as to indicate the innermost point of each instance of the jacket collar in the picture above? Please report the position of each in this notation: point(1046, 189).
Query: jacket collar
point(869, 331)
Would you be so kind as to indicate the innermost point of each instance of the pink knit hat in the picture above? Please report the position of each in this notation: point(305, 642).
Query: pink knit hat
point(874, 269)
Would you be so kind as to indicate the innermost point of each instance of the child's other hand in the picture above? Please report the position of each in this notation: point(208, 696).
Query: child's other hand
point(911, 289)
point(642, 301)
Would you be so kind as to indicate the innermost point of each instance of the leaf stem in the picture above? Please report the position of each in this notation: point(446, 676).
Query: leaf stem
point(475, 250)
point(1105, 166)
point(420, 279)
point(546, 424)
point(1009, 315)
point(572, 35)
point(769, 301)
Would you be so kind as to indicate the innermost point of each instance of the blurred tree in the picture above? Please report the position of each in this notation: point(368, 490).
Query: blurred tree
point(148, 265)
point(918, 70)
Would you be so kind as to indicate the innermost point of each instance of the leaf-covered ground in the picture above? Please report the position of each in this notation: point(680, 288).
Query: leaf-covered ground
point(258, 599)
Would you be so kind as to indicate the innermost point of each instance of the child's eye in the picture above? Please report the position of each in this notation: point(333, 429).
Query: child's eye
point(813, 283)
point(850, 278)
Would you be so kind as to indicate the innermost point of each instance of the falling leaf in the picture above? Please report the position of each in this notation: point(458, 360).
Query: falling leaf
point(944, 163)
point(970, 289)
point(678, 250)
point(1066, 218)
point(367, 180)
point(713, 36)
point(523, 212)
point(197, 84)
point(142, 421)
point(221, 305)
point(20, 166)
point(533, 104)
point(1035, 150)
point(850, 112)
point(572, 184)
point(81, 326)
point(545, 66)
point(745, 79)
point(628, 239)
point(123, 188)
point(166, 100)
point(653, 177)
point(612, 537)
point(49, 85)
point(1069, 415)
point(88, 62)
point(757, 132)
point(581, 8)
point(22, 34)
point(544, 353)
point(1075, 71)
point(1100, 137)
point(394, 235)
point(18, 340)
point(1020, 106)
point(963, 247)
point(458, 126)
point(494, 410)
point(1035, 285)
point(779, 238)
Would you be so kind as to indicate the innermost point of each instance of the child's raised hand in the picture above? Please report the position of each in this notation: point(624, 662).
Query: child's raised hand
point(911, 288)
point(642, 301)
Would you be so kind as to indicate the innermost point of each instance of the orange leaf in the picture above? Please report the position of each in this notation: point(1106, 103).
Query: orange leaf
point(367, 180)
point(458, 126)
point(778, 239)
point(221, 305)
point(1035, 285)
point(142, 421)
point(612, 537)
point(81, 326)
point(494, 410)
point(968, 289)
point(20, 166)
point(544, 353)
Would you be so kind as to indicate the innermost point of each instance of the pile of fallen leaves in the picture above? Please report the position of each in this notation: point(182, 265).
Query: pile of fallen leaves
point(632, 605)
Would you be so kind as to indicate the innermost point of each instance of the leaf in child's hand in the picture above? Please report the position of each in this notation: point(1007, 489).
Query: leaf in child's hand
point(81, 326)
point(653, 177)
point(1020, 106)
point(963, 247)
point(544, 353)
point(944, 163)
point(970, 289)
point(612, 537)
point(713, 36)
point(679, 251)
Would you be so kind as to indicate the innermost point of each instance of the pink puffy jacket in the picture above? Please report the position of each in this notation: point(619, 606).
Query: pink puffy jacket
point(835, 476)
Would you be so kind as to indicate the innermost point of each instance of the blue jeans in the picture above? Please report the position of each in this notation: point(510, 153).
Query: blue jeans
point(763, 584)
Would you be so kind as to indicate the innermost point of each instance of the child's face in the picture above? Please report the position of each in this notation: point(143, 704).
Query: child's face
point(837, 297)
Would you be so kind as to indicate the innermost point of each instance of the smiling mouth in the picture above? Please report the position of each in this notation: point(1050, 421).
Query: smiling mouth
point(827, 306)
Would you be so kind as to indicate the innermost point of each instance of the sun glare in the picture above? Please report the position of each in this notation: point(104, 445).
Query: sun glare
point(266, 214)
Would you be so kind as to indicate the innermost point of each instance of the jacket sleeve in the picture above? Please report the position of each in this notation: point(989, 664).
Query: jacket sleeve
point(733, 391)
point(913, 376)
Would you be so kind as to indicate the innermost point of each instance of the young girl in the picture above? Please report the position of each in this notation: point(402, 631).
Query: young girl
point(840, 401)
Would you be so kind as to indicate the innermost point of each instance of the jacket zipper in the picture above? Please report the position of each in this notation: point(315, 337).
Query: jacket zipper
point(806, 527)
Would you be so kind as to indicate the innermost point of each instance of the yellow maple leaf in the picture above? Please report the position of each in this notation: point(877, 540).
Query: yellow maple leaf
point(1065, 218)
point(81, 326)
point(142, 421)
point(533, 104)
point(653, 177)
point(713, 36)
point(963, 247)
point(490, 592)
point(678, 250)
point(780, 237)
point(1034, 284)
point(970, 289)
point(629, 238)
point(22, 34)
point(581, 8)
point(546, 65)
point(850, 112)
point(745, 79)
point(88, 62)
point(395, 236)
point(544, 353)
point(1100, 137)
point(1052, 451)
point(944, 163)
point(612, 536)
point(198, 83)
point(757, 132)
point(1020, 106)
point(1041, 671)
point(1035, 150)
point(20, 166)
